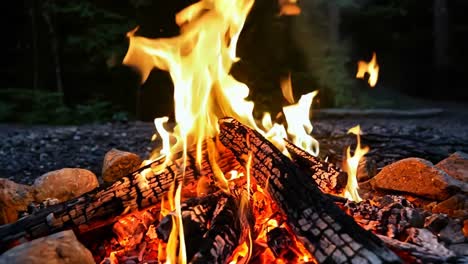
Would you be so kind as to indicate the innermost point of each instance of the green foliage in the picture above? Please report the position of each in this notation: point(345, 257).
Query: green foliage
point(97, 32)
point(326, 61)
point(40, 107)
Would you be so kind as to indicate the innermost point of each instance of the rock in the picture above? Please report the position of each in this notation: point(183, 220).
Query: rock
point(436, 222)
point(14, 198)
point(64, 184)
point(59, 248)
point(459, 249)
point(456, 165)
point(367, 169)
point(455, 206)
point(419, 177)
point(452, 233)
point(119, 163)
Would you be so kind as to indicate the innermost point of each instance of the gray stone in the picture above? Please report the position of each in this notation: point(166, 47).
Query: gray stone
point(426, 239)
point(436, 222)
point(456, 165)
point(459, 249)
point(59, 248)
point(419, 177)
point(452, 233)
point(64, 184)
point(14, 198)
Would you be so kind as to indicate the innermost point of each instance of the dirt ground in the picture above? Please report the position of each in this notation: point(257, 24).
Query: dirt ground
point(27, 152)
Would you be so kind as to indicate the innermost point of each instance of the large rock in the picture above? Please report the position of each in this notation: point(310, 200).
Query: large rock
point(119, 163)
point(14, 198)
point(419, 177)
point(59, 248)
point(64, 184)
point(456, 165)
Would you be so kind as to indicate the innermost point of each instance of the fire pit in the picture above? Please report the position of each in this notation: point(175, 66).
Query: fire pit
point(224, 188)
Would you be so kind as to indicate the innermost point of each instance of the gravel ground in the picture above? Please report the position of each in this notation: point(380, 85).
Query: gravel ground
point(27, 152)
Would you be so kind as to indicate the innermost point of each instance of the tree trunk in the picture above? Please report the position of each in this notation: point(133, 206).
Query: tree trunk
point(54, 46)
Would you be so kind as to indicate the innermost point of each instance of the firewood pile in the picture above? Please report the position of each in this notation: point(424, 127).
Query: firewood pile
point(288, 209)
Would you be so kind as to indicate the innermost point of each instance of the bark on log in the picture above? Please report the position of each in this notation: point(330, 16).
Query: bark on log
point(326, 231)
point(328, 178)
point(105, 205)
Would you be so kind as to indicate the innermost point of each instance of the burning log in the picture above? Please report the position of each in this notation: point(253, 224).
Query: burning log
point(104, 206)
point(326, 231)
point(328, 178)
point(196, 215)
point(223, 236)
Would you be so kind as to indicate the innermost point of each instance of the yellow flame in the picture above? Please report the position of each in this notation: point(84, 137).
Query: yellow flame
point(199, 61)
point(351, 165)
point(299, 125)
point(240, 252)
point(166, 147)
point(369, 67)
point(175, 250)
point(286, 89)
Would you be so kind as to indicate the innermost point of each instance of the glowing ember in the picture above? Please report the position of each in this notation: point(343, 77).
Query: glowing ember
point(372, 68)
point(351, 165)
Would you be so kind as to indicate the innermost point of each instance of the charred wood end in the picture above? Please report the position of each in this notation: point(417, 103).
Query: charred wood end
point(327, 232)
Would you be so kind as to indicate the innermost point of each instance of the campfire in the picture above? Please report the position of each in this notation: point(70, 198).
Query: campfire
point(224, 188)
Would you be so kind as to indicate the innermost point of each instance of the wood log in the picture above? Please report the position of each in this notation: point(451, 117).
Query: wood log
point(223, 236)
point(411, 253)
point(326, 231)
point(105, 205)
point(328, 178)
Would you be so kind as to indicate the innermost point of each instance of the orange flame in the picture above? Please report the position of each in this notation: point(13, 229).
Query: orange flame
point(351, 165)
point(289, 7)
point(199, 61)
point(369, 67)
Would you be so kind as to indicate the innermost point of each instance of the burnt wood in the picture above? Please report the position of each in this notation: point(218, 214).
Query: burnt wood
point(223, 236)
point(105, 205)
point(196, 216)
point(412, 253)
point(327, 176)
point(327, 232)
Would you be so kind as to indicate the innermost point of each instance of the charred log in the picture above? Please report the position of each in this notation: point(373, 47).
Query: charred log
point(326, 231)
point(328, 178)
point(104, 206)
point(196, 215)
point(223, 236)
